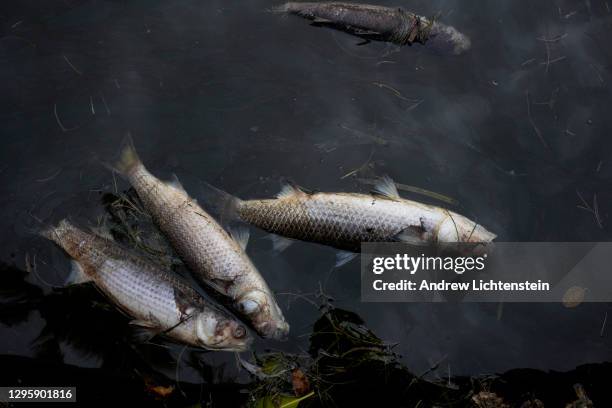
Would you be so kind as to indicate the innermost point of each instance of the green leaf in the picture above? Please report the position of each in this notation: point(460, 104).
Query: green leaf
point(281, 401)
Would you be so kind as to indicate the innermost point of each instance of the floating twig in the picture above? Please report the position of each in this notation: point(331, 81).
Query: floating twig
point(554, 39)
point(51, 177)
point(108, 112)
point(593, 209)
point(552, 61)
point(416, 190)
point(59, 122)
point(72, 66)
point(535, 128)
point(395, 92)
point(358, 169)
point(527, 62)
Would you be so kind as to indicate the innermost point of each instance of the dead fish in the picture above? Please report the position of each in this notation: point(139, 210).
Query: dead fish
point(215, 258)
point(379, 23)
point(345, 220)
point(158, 300)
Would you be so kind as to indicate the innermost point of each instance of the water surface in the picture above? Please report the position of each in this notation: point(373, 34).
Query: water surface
point(516, 130)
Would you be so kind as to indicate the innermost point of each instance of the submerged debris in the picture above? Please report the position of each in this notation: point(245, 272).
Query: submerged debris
point(127, 222)
point(345, 365)
point(486, 399)
point(379, 23)
point(346, 362)
point(301, 385)
point(583, 400)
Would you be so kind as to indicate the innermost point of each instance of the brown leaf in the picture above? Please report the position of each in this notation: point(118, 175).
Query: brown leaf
point(488, 400)
point(158, 391)
point(301, 385)
point(583, 400)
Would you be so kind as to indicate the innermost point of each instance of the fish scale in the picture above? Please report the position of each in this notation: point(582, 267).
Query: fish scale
point(148, 293)
point(345, 220)
point(381, 23)
point(213, 256)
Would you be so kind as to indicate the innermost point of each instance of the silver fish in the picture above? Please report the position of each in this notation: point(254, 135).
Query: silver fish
point(380, 23)
point(157, 300)
point(345, 220)
point(215, 258)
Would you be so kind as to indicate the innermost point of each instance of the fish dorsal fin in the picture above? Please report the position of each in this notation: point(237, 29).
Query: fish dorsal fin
point(386, 187)
point(290, 189)
point(77, 274)
point(241, 236)
point(174, 182)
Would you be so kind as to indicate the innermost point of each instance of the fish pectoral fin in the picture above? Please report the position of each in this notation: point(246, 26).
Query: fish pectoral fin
point(413, 235)
point(290, 189)
point(344, 257)
point(143, 334)
point(77, 274)
point(385, 187)
point(364, 42)
point(219, 202)
point(175, 183)
point(220, 285)
point(280, 243)
point(241, 235)
point(143, 323)
point(144, 330)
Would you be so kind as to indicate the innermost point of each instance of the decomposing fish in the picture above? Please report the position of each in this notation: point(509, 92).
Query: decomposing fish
point(345, 220)
point(159, 301)
point(215, 257)
point(379, 23)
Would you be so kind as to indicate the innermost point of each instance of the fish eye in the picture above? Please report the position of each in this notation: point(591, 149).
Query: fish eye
point(239, 332)
point(248, 306)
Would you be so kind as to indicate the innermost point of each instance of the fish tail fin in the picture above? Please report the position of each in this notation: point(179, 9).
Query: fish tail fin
point(128, 160)
point(59, 235)
point(282, 9)
point(221, 203)
point(55, 233)
point(305, 9)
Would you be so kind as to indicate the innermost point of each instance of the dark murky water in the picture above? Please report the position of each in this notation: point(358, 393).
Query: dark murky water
point(224, 92)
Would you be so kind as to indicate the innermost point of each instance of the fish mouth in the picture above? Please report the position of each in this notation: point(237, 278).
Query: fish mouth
point(482, 235)
point(277, 331)
point(228, 335)
point(225, 345)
